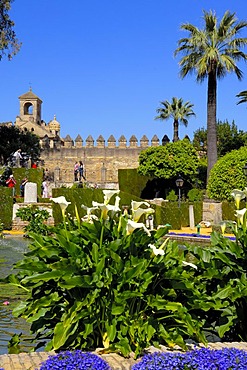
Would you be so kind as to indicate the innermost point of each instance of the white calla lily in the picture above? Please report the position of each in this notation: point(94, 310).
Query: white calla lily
point(238, 196)
point(105, 208)
point(189, 264)
point(62, 202)
point(135, 205)
point(108, 194)
point(223, 225)
point(239, 213)
point(89, 211)
point(156, 251)
point(132, 225)
point(141, 211)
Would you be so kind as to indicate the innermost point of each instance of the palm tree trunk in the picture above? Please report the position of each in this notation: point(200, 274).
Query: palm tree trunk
point(211, 121)
point(175, 131)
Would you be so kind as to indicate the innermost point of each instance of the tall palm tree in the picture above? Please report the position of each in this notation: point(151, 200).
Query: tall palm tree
point(211, 53)
point(178, 110)
point(243, 97)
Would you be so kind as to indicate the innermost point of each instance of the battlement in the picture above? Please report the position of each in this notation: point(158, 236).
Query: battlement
point(100, 142)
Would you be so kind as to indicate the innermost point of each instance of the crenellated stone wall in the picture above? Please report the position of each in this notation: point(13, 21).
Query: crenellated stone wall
point(101, 158)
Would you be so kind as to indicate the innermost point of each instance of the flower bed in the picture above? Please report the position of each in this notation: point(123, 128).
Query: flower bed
point(76, 360)
point(199, 359)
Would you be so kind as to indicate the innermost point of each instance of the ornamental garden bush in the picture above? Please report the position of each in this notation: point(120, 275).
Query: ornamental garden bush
point(227, 174)
point(106, 281)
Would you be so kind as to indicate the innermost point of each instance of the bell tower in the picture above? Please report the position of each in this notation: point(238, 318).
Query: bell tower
point(30, 108)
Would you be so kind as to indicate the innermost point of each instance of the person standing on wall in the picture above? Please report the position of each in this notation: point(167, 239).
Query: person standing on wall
point(45, 188)
point(17, 158)
point(11, 184)
point(81, 171)
point(76, 171)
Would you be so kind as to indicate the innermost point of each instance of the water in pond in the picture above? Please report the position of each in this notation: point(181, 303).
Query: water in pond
point(11, 251)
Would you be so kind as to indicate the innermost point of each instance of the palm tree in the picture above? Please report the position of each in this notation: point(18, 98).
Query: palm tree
point(243, 97)
point(211, 53)
point(178, 110)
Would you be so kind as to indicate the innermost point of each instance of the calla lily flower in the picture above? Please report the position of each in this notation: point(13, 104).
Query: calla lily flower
point(223, 227)
point(62, 202)
point(238, 196)
point(156, 251)
point(132, 225)
point(135, 205)
point(240, 215)
point(141, 211)
point(105, 208)
point(189, 264)
point(89, 211)
point(108, 194)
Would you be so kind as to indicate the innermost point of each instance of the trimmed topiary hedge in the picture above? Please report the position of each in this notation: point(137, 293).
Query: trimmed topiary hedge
point(132, 181)
point(227, 174)
point(168, 213)
point(6, 207)
point(33, 175)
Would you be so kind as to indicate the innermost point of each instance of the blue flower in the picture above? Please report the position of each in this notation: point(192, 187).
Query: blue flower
point(198, 359)
point(75, 360)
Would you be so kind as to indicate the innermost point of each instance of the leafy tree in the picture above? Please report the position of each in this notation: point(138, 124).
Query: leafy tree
point(227, 174)
point(169, 161)
point(243, 97)
point(228, 138)
point(12, 139)
point(178, 110)
point(211, 53)
point(9, 45)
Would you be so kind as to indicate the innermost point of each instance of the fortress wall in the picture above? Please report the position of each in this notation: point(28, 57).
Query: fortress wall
point(100, 164)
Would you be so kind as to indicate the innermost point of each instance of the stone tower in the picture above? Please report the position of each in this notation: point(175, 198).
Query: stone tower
point(30, 108)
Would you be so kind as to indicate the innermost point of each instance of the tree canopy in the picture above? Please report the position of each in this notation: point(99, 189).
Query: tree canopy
point(12, 139)
point(228, 138)
point(178, 110)
point(211, 53)
point(169, 161)
point(9, 44)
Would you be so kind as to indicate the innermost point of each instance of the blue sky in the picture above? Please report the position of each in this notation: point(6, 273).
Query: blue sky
point(103, 66)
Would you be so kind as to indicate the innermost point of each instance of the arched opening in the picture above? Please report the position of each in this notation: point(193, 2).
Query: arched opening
point(28, 108)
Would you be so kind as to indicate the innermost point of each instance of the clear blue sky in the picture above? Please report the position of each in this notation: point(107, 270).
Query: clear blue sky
point(103, 66)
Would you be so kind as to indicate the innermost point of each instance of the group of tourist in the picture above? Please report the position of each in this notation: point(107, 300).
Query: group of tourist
point(79, 171)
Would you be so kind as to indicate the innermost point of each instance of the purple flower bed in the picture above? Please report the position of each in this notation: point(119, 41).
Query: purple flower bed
point(199, 359)
point(75, 360)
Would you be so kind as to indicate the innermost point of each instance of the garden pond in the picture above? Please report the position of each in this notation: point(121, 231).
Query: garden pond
point(11, 251)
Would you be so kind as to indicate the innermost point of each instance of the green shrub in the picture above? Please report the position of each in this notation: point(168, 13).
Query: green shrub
point(6, 207)
point(132, 182)
point(172, 196)
point(227, 174)
point(35, 218)
point(195, 195)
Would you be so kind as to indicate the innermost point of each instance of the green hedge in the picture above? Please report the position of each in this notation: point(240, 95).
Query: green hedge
point(168, 213)
point(6, 207)
point(33, 175)
point(132, 181)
